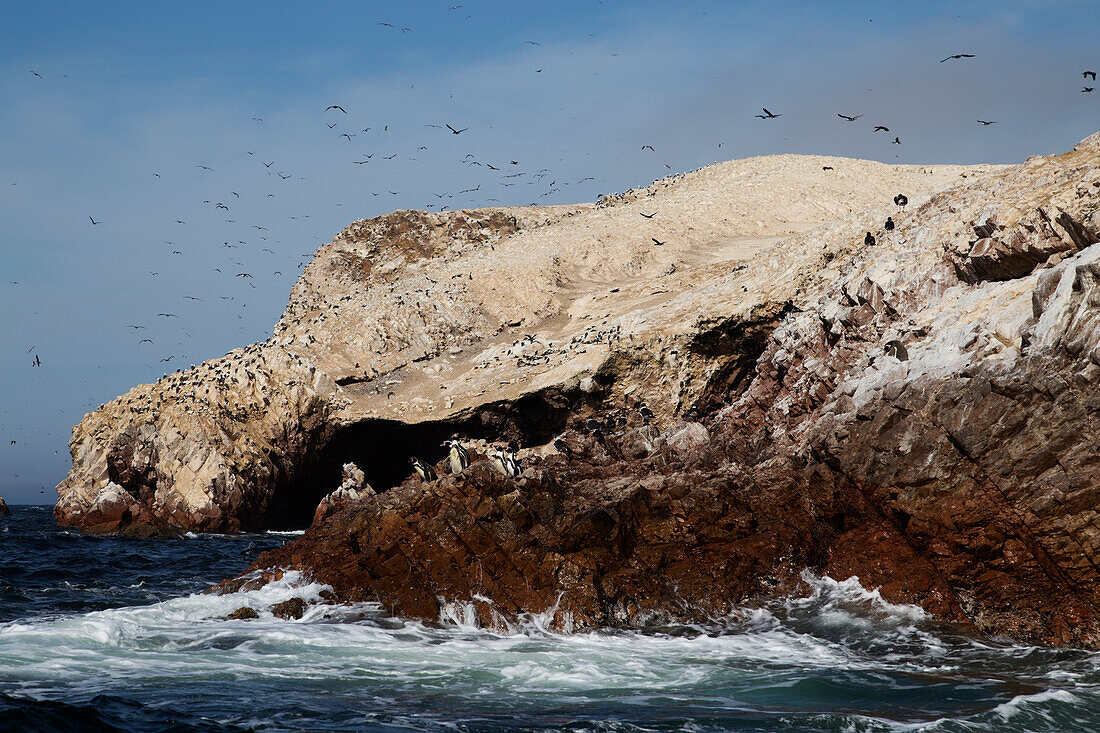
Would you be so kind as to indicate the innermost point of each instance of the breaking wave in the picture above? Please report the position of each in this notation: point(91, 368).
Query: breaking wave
point(836, 658)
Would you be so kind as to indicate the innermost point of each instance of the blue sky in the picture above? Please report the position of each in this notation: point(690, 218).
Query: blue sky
point(133, 97)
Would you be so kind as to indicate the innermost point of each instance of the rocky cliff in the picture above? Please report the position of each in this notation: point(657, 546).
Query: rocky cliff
point(414, 325)
point(920, 412)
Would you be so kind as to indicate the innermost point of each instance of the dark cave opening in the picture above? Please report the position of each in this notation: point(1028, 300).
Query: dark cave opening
point(382, 448)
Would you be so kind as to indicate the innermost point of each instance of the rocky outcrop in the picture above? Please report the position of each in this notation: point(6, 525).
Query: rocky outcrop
point(956, 469)
point(414, 325)
point(963, 476)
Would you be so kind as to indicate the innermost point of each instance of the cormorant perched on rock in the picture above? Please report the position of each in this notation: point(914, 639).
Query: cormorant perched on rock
point(896, 349)
point(869, 240)
point(901, 200)
point(889, 225)
point(426, 472)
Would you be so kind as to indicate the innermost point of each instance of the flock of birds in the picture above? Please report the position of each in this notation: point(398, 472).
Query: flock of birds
point(507, 173)
point(510, 175)
point(769, 115)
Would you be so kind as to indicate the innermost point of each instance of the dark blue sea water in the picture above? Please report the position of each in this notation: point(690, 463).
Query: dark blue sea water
point(107, 634)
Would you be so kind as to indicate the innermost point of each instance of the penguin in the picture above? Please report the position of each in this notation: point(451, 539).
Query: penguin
point(496, 458)
point(869, 240)
point(426, 472)
point(592, 426)
point(889, 225)
point(459, 458)
point(504, 462)
point(646, 413)
point(896, 349)
point(901, 200)
point(511, 463)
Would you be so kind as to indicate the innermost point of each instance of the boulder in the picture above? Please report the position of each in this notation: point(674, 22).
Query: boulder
point(291, 609)
point(244, 613)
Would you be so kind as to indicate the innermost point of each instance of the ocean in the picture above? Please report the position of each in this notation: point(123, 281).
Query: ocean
point(100, 634)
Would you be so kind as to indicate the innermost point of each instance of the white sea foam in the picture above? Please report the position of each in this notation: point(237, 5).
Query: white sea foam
point(1021, 703)
point(837, 630)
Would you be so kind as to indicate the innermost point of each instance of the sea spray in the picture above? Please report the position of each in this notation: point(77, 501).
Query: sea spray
point(834, 657)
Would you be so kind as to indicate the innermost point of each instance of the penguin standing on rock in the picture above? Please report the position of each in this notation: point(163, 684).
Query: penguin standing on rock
point(869, 240)
point(504, 462)
point(889, 225)
point(901, 200)
point(423, 470)
point(646, 413)
point(458, 459)
point(896, 349)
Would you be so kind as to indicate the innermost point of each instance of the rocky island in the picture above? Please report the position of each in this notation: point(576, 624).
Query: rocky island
point(915, 404)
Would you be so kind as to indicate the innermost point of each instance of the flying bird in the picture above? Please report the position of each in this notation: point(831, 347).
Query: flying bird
point(768, 115)
point(647, 216)
point(648, 146)
point(958, 56)
point(1086, 90)
point(658, 242)
point(850, 119)
point(988, 122)
point(1087, 74)
point(336, 106)
point(457, 132)
point(168, 315)
point(896, 141)
point(94, 222)
point(882, 128)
